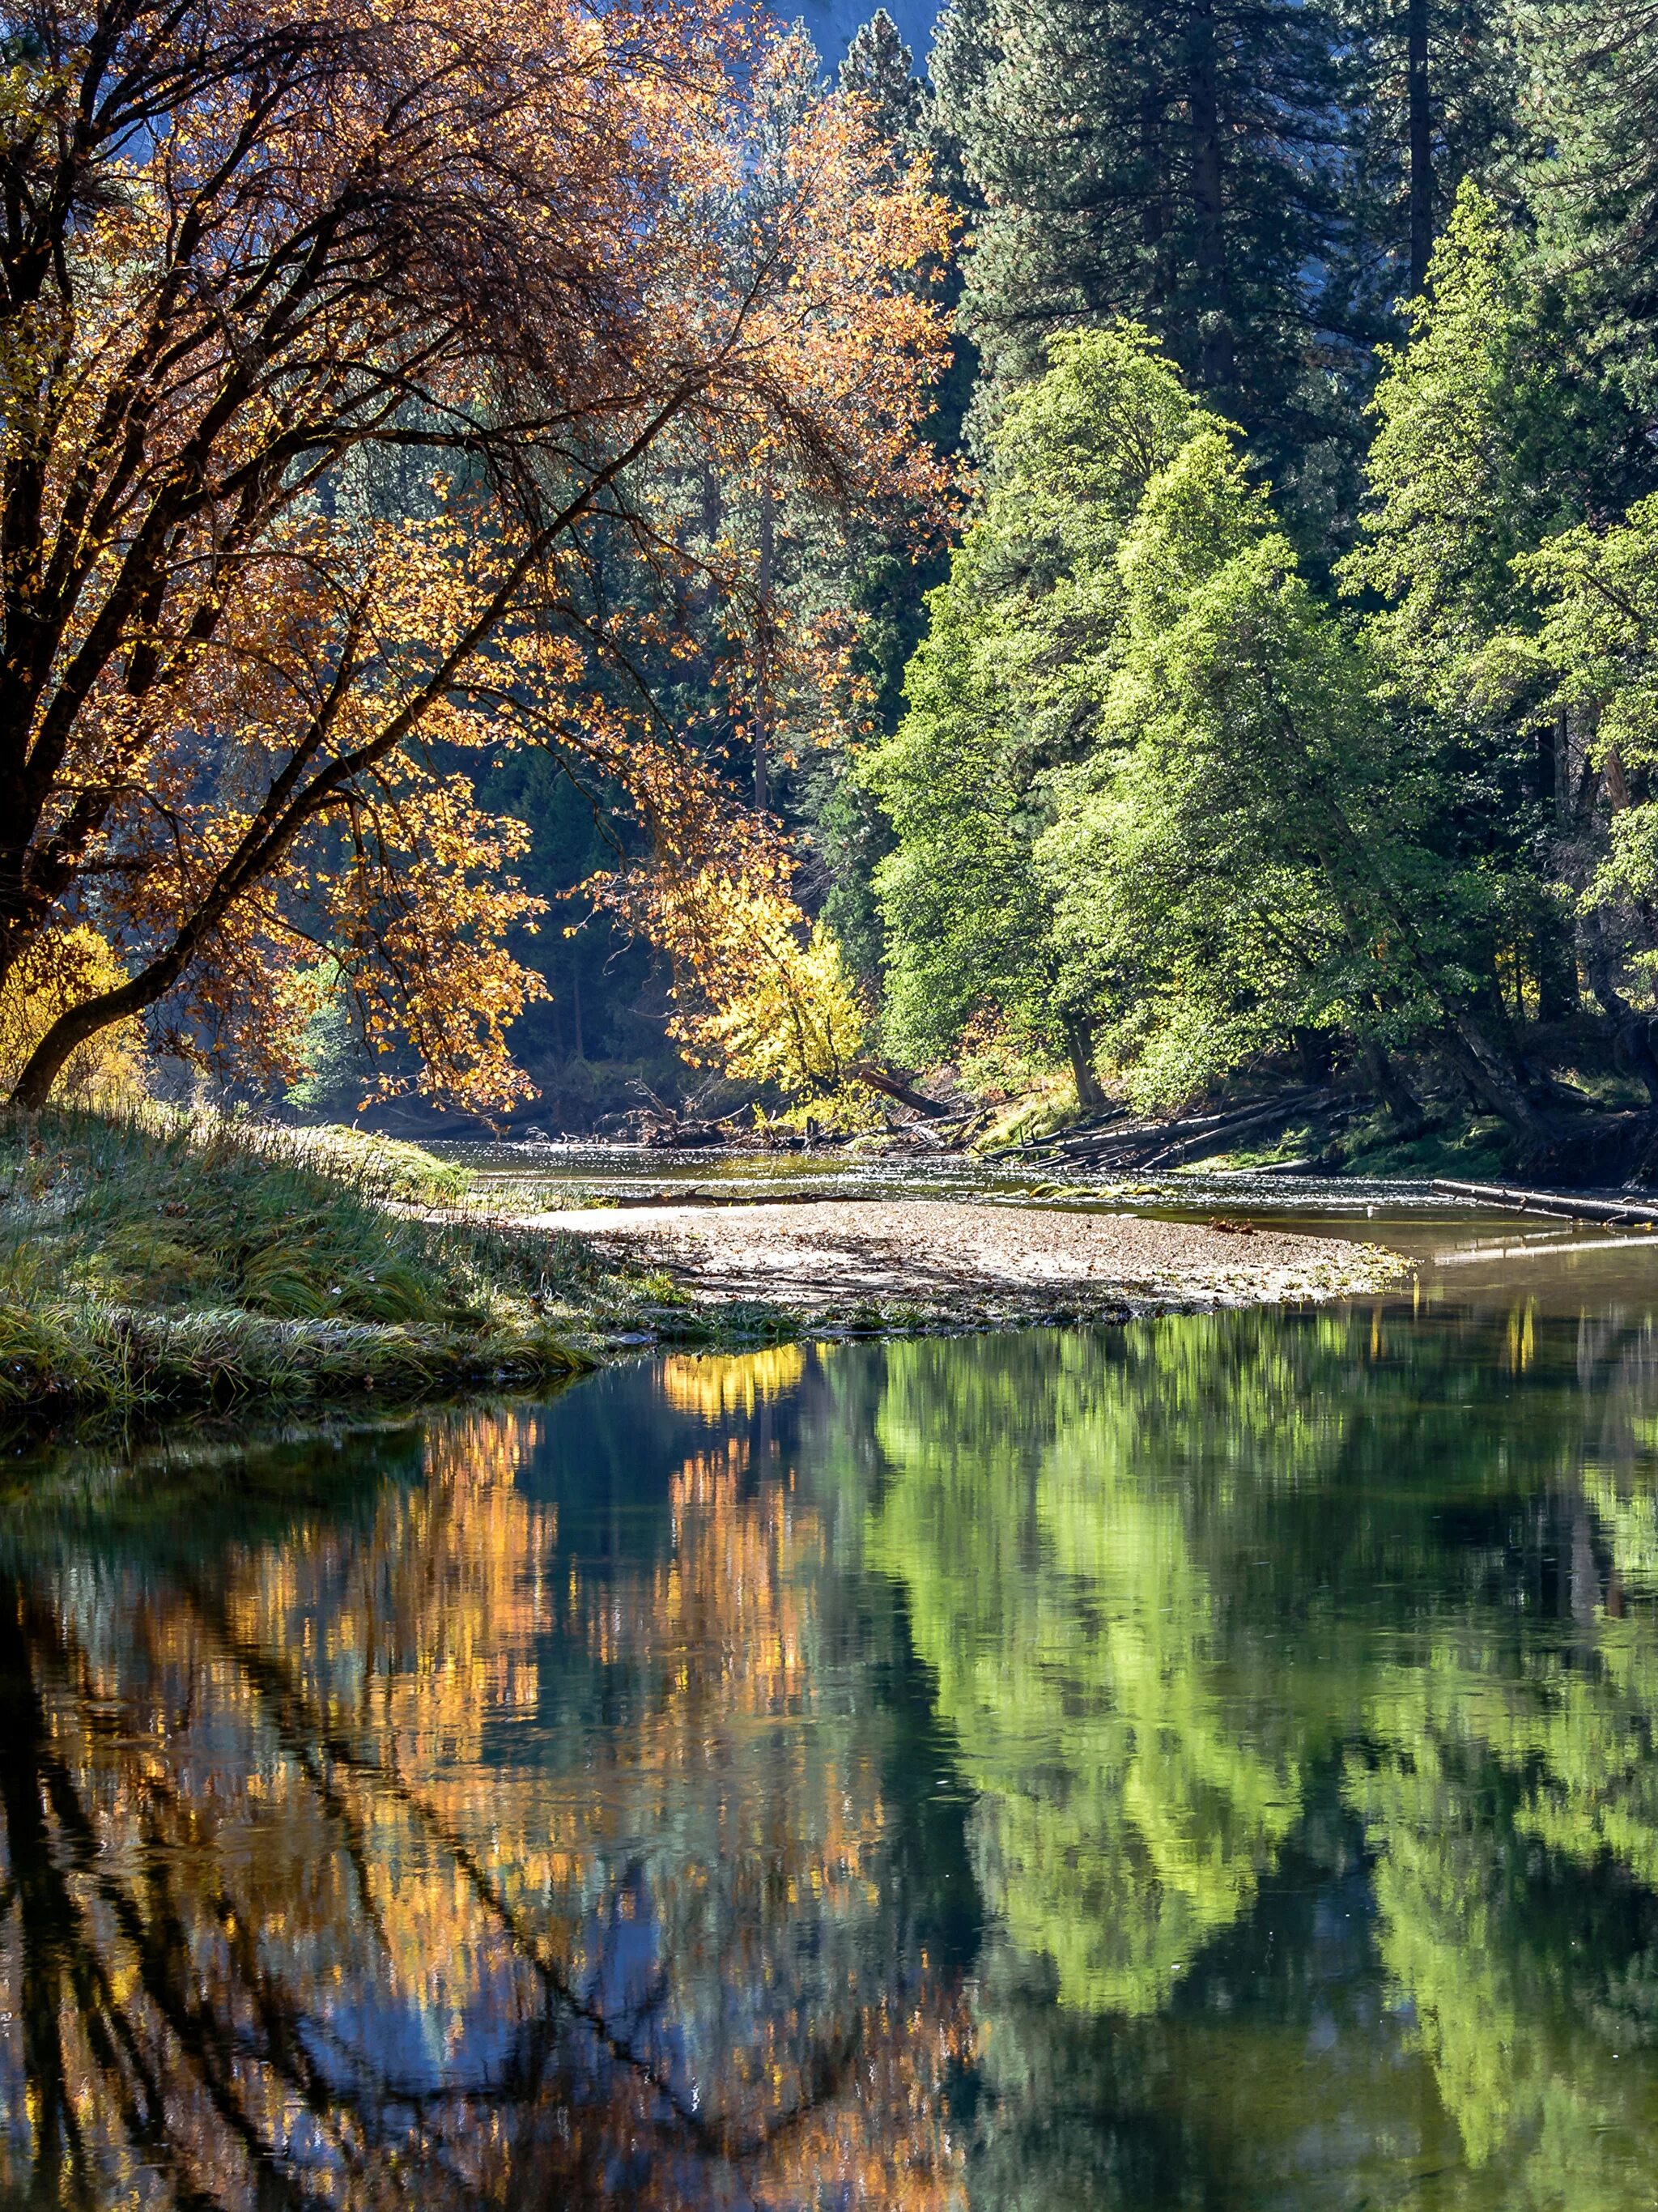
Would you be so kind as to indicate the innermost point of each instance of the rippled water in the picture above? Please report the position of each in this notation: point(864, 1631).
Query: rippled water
point(1207, 1764)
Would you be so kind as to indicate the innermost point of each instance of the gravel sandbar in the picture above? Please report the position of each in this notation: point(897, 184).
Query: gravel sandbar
point(942, 1259)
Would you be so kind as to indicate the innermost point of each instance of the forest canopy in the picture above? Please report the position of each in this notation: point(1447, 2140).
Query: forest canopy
point(536, 540)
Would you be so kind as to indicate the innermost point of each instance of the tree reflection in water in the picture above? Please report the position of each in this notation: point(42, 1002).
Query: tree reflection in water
point(1210, 1763)
point(287, 1924)
point(1369, 1596)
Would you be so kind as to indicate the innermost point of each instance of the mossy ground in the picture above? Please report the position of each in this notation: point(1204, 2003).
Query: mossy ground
point(162, 1261)
point(1472, 1148)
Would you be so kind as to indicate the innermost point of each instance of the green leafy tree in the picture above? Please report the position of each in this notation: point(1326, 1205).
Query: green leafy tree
point(1489, 442)
point(1007, 686)
point(1599, 593)
point(1249, 851)
point(1147, 779)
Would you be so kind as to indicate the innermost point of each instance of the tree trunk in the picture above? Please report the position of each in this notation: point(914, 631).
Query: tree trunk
point(894, 1086)
point(1552, 747)
point(1420, 128)
point(1631, 1031)
point(1488, 1069)
point(1079, 1049)
point(1314, 1054)
point(1154, 207)
point(46, 1062)
point(1382, 1072)
point(1554, 951)
point(1216, 355)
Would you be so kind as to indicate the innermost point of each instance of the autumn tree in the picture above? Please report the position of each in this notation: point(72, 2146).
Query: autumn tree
point(334, 342)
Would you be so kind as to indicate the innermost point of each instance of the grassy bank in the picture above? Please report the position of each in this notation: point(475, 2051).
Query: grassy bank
point(163, 1261)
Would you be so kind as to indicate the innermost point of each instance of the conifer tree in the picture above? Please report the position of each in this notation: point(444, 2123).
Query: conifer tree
point(1170, 161)
point(1594, 187)
point(880, 69)
point(1431, 91)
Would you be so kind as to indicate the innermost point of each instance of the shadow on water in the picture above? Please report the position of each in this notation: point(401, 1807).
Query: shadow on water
point(1204, 1764)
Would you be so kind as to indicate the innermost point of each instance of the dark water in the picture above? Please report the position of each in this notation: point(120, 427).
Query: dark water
point(1210, 1764)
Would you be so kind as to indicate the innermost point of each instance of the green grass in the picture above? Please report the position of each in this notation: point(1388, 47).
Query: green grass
point(1469, 1148)
point(167, 1261)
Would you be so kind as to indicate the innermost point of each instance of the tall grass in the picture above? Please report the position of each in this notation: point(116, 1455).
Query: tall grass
point(159, 1259)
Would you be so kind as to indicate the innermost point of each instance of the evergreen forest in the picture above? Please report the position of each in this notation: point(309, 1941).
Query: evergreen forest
point(1288, 700)
point(1110, 562)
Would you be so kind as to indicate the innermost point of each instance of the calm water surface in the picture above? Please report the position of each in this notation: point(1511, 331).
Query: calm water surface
point(1207, 1764)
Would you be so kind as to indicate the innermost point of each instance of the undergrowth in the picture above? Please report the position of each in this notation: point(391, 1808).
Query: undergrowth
point(165, 1259)
point(1471, 1148)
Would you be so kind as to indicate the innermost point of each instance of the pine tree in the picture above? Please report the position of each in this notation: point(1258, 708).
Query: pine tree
point(1431, 91)
point(1594, 188)
point(880, 69)
point(1170, 161)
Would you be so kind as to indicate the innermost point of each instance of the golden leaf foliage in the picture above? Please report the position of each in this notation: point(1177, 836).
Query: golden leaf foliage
point(334, 342)
point(760, 991)
point(54, 973)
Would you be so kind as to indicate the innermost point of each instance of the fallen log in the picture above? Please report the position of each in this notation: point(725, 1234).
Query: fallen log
point(1077, 1133)
point(1518, 1199)
point(1120, 1146)
point(1217, 1140)
point(1110, 1131)
point(1193, 1134)
point(1309, 1165)
point(893, 1086)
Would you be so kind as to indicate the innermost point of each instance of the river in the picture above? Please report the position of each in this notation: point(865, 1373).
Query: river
point(1208, 1764)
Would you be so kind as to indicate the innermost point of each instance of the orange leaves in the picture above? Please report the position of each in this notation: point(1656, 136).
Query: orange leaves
point(330, 381)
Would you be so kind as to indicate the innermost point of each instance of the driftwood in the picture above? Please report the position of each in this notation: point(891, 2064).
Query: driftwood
point(1078, 1138)
point(1240, 1124)
point(894, 1086)
point(1517, 1200)
point(1143, 1145)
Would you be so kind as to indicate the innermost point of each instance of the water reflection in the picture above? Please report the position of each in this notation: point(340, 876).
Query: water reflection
point(1206, 1764)
point(421, 1843)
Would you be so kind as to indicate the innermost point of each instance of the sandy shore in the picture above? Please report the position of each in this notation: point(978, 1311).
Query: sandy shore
point(935, 1260)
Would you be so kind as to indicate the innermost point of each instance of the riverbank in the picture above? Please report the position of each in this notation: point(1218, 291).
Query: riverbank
point(167, 1263)
point(931, 1262)
point(164, 1262)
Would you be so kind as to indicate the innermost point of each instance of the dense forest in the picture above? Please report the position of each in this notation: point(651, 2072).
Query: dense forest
point(1116, 554)
point(1291, 690)
point(1287, 698)
point(1289, 695)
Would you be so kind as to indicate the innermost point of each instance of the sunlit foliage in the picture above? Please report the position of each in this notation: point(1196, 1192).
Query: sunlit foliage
point(334, 344)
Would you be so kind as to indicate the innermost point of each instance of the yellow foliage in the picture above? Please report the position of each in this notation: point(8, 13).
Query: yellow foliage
point(764, 995)
point(715, 1384)
point(57, 972)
